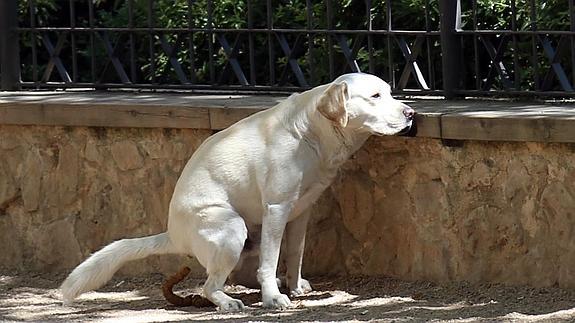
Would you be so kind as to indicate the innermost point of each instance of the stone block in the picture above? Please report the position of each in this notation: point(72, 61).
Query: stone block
point(56, 245)
point(91, 152)
point(126, 155)
point(356, 202)
point(68, 174)
point(8, 189)
point(32, 179)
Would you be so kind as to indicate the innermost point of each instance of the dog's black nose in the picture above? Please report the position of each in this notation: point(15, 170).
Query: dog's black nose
point(408, 112)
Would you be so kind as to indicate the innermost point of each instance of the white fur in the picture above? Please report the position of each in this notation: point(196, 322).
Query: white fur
point(99, 268)
point(248, 184)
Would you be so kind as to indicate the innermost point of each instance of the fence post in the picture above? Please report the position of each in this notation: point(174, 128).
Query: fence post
point(450, 21)
point(9, 46)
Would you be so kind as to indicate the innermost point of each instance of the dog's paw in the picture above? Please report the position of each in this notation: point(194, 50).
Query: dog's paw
point(231, 305)
point(278, 301)
point(302, 287)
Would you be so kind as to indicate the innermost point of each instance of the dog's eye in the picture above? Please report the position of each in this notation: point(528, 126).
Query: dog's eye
point(376, 96)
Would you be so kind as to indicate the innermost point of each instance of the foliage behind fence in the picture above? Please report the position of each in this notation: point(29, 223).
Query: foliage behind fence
point(504, 46)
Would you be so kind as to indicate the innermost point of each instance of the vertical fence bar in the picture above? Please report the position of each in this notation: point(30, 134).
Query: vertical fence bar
point(91, 23)
point(450, 21)
point(310, 37)
point(533, 23)
point(329, 8)
point(33, 34)
point(391, 77)
point(211, 40)
point(151, 41)
point(73, 40)
point(430, 73)
point(476, 47)
point(9, 46)
point(251, 43)
point(571, 39)
point(516, 66)
point(370, 59)
point(191, 48)
point(271, 56)
point(131, 41)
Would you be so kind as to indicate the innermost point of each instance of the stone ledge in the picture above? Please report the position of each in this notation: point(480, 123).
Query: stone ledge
point(456, 120)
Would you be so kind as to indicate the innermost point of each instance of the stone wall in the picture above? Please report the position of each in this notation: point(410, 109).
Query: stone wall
point(417, 210)
point(405, 207)
point(66, 192)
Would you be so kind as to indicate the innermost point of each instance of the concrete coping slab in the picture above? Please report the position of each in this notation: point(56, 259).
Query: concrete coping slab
point(453, 120)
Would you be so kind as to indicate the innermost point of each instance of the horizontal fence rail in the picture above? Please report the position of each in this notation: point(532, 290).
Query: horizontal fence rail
point(421, 47)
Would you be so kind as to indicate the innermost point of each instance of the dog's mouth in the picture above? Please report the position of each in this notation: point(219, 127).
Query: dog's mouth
point(409, 131)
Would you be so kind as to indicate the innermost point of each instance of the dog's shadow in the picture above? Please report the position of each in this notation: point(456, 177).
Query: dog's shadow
point(313, 297)
point(250, 298)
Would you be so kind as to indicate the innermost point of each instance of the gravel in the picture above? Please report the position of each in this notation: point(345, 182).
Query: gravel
point(35, 297)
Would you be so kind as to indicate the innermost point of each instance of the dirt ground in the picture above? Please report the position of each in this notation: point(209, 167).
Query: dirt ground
point(34, 297)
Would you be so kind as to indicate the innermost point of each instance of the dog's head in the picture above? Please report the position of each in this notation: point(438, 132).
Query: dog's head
point(363, 102)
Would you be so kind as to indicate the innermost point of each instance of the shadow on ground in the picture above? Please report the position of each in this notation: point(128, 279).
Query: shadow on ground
point(34, 297)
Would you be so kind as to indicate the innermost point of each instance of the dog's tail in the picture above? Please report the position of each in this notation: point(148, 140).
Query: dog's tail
point(101, 266)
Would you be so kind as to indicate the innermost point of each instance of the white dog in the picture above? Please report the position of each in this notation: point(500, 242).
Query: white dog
point(246, 185)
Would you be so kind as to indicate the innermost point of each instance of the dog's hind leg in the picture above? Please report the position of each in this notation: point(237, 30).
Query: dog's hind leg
point(218, 243)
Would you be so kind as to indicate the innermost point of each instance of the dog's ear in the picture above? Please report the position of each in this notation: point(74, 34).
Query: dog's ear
point(332, 102)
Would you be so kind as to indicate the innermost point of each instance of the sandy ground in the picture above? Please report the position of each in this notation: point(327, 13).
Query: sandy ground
point(34, 297)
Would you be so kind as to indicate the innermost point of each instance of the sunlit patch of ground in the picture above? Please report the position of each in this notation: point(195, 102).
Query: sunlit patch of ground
point(34, 297)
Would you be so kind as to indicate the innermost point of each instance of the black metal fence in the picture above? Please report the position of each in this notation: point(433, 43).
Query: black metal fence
point(443, 49)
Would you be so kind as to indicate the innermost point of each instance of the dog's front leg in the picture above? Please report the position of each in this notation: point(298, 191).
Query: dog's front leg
point(295, 240)
point(273, 225)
